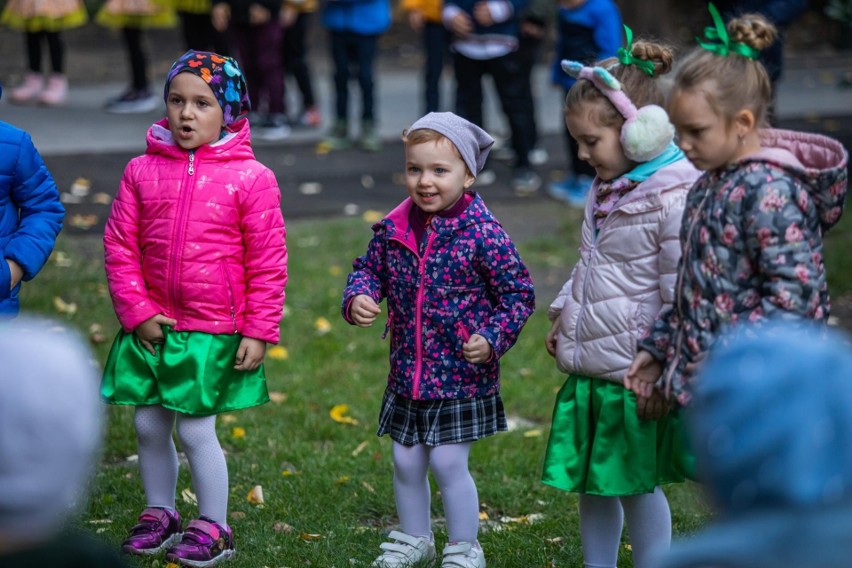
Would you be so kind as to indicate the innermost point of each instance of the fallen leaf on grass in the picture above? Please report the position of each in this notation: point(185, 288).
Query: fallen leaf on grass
point(310, 536)
point(483, 516)
point(368, 487)
point(280, 527)
point(533, 433)
point(81, 186)
point(228, 418)
point(322, 326)
point(63, 307)
point(189, 497)
point(96, 334)
point(289, 469)
point(277, 397)
point(83, 222)
point(343, 479)
point(238, 432)
point(255, 495)
point(372, 216)
point(279, 352)
point(360, 448)
point(338, 414)
point(523, 519)
point(61, 259)
point(102, 198)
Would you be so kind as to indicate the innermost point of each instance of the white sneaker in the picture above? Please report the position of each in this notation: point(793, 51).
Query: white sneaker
point(405, 551)
point(463, 555)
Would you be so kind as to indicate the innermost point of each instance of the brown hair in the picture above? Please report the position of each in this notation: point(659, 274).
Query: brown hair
point(732, 82)
point(641, 88)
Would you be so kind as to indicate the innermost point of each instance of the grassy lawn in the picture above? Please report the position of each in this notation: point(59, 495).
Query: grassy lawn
point(326, 483)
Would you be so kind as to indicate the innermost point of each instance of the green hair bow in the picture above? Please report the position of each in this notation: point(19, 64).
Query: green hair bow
point(626, 57)
point(719, 42)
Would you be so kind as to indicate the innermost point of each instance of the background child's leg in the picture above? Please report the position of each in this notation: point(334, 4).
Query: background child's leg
point(158, 461)
point(207, 465)
point(649, 522)
point(136, 58)
point(601, 521)
point(57, 52)
point(458, 490)
point(365, 47)
point(33, 44)
point(411, 489)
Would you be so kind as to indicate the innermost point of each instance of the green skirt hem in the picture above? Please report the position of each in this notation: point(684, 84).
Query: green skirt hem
point(187, 412)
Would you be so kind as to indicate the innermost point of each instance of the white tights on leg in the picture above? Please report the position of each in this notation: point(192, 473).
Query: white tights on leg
point(449, 464)
point(158, 463)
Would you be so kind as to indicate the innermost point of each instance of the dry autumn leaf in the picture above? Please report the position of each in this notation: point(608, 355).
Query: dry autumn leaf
point(238, 432)
point(279, 353)
point(277, 397)
point(189, 497)
point(63, 307)
point(338, 414)
point(372, 216)
point(255, 495)
point(322, 326)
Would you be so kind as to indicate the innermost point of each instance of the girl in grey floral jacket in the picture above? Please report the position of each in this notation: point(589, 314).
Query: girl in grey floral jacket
point(752, 232)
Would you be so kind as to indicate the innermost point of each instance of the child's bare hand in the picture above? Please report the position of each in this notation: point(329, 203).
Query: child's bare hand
point(16, 271)
point(250, 354)
point(258, 14)
point(288, 16)
point(150, 333)
point(550, 339)
point(482, 14)
point(476, 349)
point(643, 374)
point(461, 24)
point(653, 407)
point(363, 310)
point(416, 20)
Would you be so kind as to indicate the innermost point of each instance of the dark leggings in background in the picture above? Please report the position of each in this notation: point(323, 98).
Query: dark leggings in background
point(349, 49)
point(136, 58)
point(33, 42)
point(294, 53)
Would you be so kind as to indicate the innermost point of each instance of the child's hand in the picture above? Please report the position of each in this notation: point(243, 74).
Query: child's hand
point(150, 333)
point(461, 25)
point(288, 16)
point(482, 14)
point(16, 271)
point(363, 310)
point(416, 20)
point(476, 349)
point(653, 407)
point(250, 354)
point(258, 14)
point(550, 339)
point(643, 374)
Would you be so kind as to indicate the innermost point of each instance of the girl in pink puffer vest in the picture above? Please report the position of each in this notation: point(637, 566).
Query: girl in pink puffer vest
point(196, 263)
point(615, 449)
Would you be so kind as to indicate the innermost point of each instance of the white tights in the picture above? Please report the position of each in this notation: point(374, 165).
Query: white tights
point(158, 460)
point(458, 490)
point(649, 523)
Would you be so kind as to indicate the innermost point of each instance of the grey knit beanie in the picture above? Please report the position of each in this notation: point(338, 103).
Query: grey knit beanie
point(50, 426)
point(473, 143)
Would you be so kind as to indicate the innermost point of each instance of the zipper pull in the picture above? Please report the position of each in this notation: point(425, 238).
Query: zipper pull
point(191, 162)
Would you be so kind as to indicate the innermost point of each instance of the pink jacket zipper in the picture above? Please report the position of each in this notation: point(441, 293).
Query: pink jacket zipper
point(418, 318)
point(180, 226)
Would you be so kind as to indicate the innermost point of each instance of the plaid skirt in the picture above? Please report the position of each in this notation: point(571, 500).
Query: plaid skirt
point(436, 422)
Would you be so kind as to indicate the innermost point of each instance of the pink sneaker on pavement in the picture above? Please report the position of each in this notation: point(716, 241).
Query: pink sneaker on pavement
point(204, 543)
point(55, 92)
point(156, 530)
point(29, 90)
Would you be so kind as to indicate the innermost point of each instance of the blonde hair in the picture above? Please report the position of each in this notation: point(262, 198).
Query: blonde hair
point(732, 82)
point(641, 88)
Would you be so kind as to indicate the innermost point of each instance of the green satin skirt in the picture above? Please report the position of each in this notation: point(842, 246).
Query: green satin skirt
point(598, 446)
point(192, 373)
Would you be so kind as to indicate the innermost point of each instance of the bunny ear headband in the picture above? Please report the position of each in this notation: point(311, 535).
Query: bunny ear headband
point(646, 132)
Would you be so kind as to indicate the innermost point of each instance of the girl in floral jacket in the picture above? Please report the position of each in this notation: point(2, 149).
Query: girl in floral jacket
point(196, 263)
point(458, 296)
point(754, 222)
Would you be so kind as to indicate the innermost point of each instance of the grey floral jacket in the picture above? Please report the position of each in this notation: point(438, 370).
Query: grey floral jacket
point(752, 248)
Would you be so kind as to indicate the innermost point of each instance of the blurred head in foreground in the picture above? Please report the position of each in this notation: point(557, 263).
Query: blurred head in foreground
point(771, 425)
point(50, 429)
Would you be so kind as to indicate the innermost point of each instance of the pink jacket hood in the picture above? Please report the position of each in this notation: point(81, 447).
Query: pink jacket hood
point(198, 236)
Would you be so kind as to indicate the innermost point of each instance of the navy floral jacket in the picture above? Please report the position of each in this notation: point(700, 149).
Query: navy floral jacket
point(465, 277)
point(752, 248)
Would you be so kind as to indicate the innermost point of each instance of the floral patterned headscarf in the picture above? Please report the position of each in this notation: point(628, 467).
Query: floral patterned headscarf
point(222, 74)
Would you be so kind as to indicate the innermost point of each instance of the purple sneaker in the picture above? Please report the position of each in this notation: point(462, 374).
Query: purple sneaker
point(204, 543)
point(156, 530)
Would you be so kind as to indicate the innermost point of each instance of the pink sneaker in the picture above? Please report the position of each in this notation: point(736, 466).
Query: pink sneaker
point(29, 90)
point(312, 117)
point(156, 530)
point(56, 91)
point(204, 543)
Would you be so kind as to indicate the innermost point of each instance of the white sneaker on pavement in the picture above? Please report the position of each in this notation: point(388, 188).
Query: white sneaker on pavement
point(463, 555)
point(405, 551)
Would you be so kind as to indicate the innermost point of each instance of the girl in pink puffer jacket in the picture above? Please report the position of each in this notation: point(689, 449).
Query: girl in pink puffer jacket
point(615, 449)
point(196, 263)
